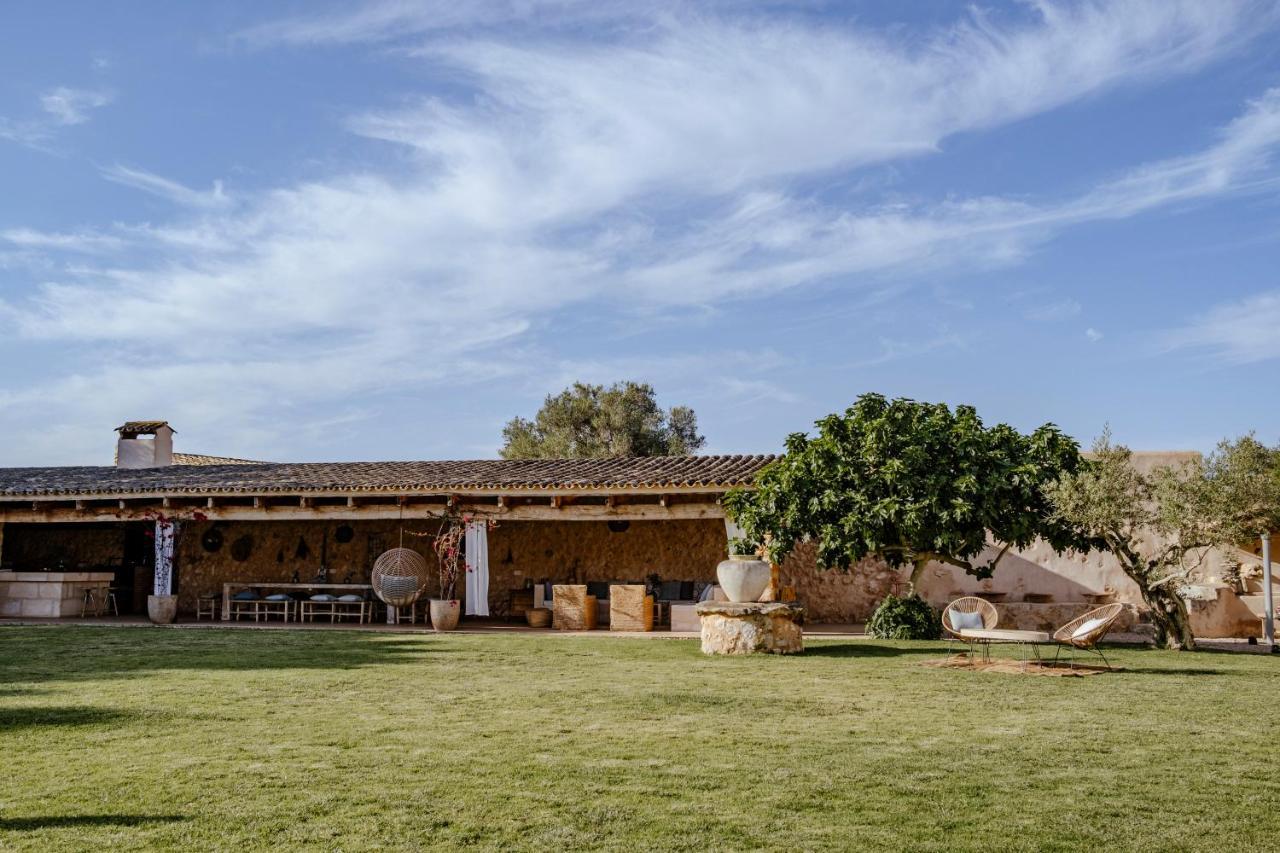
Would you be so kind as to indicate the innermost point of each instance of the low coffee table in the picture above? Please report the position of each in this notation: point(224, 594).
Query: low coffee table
point(1025, 639)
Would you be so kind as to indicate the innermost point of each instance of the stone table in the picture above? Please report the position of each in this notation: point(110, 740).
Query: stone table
point(751, 627)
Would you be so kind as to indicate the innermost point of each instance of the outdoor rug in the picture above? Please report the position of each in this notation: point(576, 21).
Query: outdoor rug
point(1015, 667)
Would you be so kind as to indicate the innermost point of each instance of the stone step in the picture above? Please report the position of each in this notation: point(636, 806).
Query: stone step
point(1257, 603)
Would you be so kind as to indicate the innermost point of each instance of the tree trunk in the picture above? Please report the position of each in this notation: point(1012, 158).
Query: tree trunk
point(1169, 615)
point(917, 574)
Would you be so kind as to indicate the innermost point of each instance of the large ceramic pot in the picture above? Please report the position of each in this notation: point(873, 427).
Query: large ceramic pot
point(743, 578)
point(162, 609)
point(444, 613)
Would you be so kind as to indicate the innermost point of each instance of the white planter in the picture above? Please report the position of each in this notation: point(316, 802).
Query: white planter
point(162, 609)
point(743, 578)
point(444, 613)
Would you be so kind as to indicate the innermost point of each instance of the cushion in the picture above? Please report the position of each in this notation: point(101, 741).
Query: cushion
point(324, 596)
point(246, 595)
point(279, 596)
point(351, 597)
point(708, 593)
point(686, 590)
point(960, 620)
point(669, 591)
point(1086, 627)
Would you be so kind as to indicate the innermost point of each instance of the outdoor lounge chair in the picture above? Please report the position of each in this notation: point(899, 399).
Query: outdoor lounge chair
point(968, 612)
point(1086, 631)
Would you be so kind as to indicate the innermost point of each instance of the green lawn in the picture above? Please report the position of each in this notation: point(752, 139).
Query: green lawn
point(211, 739)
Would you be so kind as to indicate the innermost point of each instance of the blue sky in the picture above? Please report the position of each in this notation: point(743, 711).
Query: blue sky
point(379, 230)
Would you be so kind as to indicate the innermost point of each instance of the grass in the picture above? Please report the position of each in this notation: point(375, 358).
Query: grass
point(148, 738)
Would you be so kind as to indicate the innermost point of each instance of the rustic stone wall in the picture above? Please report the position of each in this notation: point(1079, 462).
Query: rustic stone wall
point(560, 551)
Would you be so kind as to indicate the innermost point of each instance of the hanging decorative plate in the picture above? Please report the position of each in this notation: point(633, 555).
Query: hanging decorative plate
point(211, 540)
point(242, 548)
point(344, 533)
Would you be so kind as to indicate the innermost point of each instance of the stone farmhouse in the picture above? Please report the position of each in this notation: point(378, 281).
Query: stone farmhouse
point(565, 521)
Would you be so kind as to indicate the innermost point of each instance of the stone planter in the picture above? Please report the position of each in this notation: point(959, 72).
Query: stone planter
point(162, 609)
point(444, 613)
point(743, 578)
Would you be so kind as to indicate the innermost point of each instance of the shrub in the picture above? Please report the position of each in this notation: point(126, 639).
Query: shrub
point(909, 618)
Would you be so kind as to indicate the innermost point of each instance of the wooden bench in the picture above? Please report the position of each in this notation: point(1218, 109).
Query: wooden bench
point(261, 608)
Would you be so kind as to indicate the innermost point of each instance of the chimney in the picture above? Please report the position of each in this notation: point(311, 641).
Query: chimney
point(133, 451)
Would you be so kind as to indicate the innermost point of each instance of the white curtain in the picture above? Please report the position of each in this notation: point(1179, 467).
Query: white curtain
point(477, 569)
point(165, 533)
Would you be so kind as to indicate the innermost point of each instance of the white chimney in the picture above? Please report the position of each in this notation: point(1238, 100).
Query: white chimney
point(133, 451)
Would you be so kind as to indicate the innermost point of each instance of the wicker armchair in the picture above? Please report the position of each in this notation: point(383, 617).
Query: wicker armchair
point(1070, 637)
point(968, 604)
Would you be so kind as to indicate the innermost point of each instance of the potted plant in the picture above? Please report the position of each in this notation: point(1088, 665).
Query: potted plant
point(744, 576)
point(446, 609)
point(162, 604)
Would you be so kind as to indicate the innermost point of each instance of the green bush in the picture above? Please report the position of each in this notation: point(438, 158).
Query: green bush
point(909, 618)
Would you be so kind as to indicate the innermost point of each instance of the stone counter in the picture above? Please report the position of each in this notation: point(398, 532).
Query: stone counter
point(47, 594)
point(751, 627)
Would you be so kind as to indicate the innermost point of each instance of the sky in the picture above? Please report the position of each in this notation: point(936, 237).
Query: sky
point(341, 231)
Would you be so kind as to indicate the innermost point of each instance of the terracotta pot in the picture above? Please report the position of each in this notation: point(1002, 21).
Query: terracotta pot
point(743, 578)
point(444, 613)
point(162, 609)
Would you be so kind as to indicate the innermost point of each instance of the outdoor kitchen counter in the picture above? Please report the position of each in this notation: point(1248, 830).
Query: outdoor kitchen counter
point(47, 594)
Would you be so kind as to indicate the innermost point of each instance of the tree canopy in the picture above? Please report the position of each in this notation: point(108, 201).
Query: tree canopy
point(590, 421)
point(909, 482)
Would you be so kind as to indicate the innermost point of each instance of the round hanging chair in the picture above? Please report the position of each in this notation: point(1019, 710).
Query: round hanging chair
point(399, 576)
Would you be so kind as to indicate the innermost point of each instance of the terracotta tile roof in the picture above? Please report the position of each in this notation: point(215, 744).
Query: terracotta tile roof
point(655, 472)
point(141, 427)
point(202, 459)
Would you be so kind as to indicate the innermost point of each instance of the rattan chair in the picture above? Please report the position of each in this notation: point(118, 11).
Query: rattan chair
point(1066, 637)
point(968, 604)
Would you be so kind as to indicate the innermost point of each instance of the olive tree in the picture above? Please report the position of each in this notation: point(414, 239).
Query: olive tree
point(1159, 525)
point(910, 483)
point(587, 421)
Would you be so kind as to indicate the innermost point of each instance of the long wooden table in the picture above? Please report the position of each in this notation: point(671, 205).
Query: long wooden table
point(230, 589)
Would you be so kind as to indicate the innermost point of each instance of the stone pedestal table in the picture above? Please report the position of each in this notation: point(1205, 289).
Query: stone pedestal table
point(751, 627)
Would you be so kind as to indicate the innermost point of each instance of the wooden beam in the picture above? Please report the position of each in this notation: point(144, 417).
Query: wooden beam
point(664, 501)
point(208, 503)
point(304, 501)
point(23, 513)
point(555, 501)
point(166, 502)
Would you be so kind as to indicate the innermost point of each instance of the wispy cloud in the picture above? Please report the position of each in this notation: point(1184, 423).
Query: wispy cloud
point(1093, 335)
point(157, 185)
point(59, 107)
point(84, 241)
point(1238, 332)
point(72, 106)
point(661, 169)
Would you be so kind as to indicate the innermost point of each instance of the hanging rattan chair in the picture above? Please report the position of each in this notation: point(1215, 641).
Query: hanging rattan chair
point(399, 577)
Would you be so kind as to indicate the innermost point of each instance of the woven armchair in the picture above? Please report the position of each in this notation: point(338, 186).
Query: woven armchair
point(969, 604)
point(1066, 636)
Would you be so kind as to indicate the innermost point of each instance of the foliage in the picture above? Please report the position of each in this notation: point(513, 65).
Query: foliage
point(909, 482)
point(906, 618)
point(1242, 478)
point(592, 421)
point(743, 545)
point(1159, 525)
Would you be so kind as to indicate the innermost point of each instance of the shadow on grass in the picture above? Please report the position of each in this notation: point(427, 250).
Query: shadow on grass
point(12, 719)
point(863, 649)
point(37, 654)
point(28, 824)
